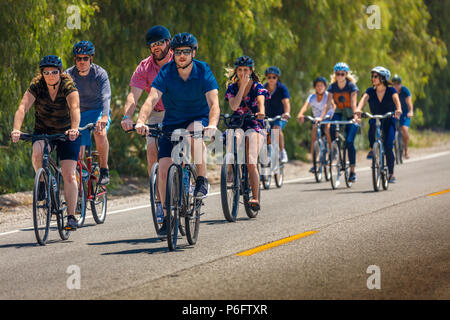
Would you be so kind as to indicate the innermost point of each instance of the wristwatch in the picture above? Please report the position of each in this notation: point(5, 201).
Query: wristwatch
point(125, 117)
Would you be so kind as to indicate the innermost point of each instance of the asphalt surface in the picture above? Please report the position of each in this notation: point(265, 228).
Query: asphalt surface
point(403, 231)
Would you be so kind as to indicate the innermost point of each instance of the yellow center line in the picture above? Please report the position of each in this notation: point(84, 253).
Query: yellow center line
point(438, 193)
point(275, 243)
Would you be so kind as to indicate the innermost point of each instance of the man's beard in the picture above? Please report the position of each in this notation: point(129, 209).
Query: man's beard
point(162, 55)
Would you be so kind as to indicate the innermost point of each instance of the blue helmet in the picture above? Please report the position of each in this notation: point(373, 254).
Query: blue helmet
point(341, 66)
point(51, 61)
point(273, 70)
point(244, 61)
point(320, 79)
point(184, 39)
point(382, 71)
point(157, 33)
point(397, 78)
point(84, 47)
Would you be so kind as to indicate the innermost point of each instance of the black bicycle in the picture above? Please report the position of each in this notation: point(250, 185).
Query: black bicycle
point(379, 163)
point(338, 157)
point(272, 164)
point(234, 178)
point(180, 203)
point(48, 191)
point(320, 153)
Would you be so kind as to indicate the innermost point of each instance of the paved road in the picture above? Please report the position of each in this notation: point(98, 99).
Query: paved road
point(403, 231)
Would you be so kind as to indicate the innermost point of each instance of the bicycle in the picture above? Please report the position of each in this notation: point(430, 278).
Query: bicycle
point(93, 193)
point(320, 153)
point(234, 178)
point(180, 202)
point(399, 147)
point(48, 181)
point(379, 163)
point(338, 154)
point(266, 169)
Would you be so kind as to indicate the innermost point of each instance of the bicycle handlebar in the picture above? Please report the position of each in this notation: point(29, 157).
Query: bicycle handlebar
point(47, 137)
point(377, 116)
point(227, 119)
point(315, 120)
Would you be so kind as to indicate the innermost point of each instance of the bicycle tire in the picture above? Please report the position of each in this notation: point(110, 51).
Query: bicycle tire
point(248, 195)
point(335, 165)
point(376, 166)
point(279, 177)
point(172, 204)
point(99, 198)
point(396, 148)
point(384, 174)
point(61, 207)
point(230, 199)
point(152, 184)
point(192, 212)
point(317, 163)
point(41, 222)
point(346, 164)
point(80, 209)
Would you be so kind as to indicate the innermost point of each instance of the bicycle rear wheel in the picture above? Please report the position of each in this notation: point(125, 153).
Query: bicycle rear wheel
point(98, 198)
point(401, 148)
point(173, 205)
point(192, 212)
point(80, 209)
point(41, 206)
point(335, 165)
point(317, 163)
point(229, 190)
point(376, 166)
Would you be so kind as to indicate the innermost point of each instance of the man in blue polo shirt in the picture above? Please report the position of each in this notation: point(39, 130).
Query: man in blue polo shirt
point(190, 94)
point(407, 110)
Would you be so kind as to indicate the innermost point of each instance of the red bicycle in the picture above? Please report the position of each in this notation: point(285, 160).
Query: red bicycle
point(89, 190)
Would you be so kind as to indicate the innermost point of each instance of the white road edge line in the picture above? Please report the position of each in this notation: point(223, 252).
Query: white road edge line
point(431, 156)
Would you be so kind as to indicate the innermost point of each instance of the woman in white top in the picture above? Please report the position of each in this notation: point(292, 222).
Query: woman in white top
point(317, 101)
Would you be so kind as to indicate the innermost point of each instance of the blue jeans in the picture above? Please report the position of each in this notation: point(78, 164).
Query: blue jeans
point(388, 132)
point(350, 133)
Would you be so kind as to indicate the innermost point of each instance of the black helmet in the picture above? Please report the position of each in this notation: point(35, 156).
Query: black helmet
point(83, 47)
point(51, 61)
point(244, 61)
point(397, 78)
point(157, 33)
point(320, 79)
point(274, 70)
point(184, 39)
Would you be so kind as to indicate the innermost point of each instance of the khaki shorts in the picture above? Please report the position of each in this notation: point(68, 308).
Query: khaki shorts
point(155, 117)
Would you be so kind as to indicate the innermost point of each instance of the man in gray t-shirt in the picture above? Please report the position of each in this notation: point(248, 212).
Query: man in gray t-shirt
point(94, 89)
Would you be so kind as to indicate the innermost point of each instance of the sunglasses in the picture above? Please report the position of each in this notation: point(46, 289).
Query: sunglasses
point(340, 74)
point(82, 59)
point(374, 76)
point(186, 52)
point(54, 72)
point(157, 43)
point(271, 77)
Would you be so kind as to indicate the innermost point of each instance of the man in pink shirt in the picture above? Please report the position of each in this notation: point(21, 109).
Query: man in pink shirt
point(158, 40)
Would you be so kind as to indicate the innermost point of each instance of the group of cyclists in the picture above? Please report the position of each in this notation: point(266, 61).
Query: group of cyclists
point(184, 94)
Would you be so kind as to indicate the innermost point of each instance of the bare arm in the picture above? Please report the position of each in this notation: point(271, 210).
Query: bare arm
point(146, 109)
point(410, 106)
point(25, 105)
point(398, 109)
point(287, 108)
point(300, 116)
point(212, 97)
point(73, 100)
point(261, 107)
point(130, 107)
point(327, 105)
point(354, 97)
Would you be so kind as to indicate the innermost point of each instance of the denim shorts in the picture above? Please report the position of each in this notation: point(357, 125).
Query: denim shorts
point(405, 121)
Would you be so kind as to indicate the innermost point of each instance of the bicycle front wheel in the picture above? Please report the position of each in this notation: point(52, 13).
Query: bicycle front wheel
point(98, 198)
point(376, 166)
point(153, 195)
point(317, 163)
point(173, 206)
point(229, 190)
point(346, 168)
point(335, 165)
point(80, 209)
point(41, 206)
point(61, 214)
point(192, 212)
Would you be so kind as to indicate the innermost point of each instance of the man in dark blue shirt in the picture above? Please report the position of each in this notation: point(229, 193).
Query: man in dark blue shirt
point(190, 96)
point(407, 110)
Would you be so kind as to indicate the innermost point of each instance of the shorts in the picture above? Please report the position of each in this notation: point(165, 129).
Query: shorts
point(155, 117)
point(91, 116)
point(405, 121)
point(280, 123)
point(65, 150)
point(165, 143)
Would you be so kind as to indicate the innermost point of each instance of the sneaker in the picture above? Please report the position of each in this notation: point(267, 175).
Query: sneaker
point(352, 177)
point(159, 212)
point(163, 230)
point(283, 156)
point(104, 177)
point(392, 179)
point(313, 169)
point(42, 194)
point(201, 188)
point(370, 155)
point(72, 223)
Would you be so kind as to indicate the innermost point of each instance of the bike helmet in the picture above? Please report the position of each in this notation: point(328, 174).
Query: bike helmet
point(320, 79)
point(383, 72)
point(244, 61)
point(274, 70)
point(51, 61)
point(397, 78)
point(84, 47)
point(184, 39)
point(341, 66)
point(157, 33)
